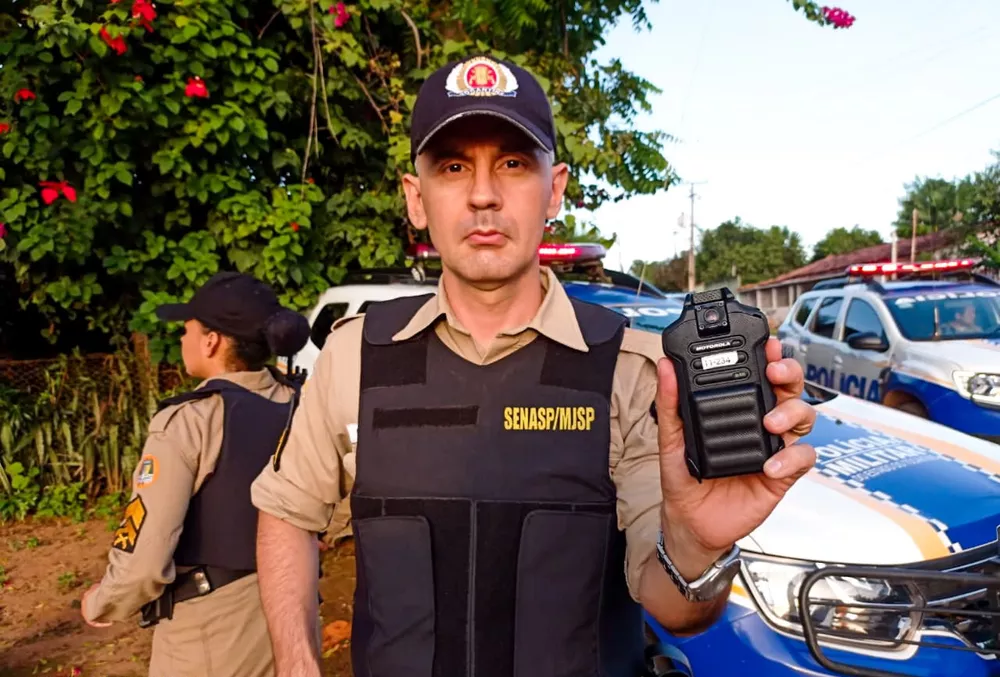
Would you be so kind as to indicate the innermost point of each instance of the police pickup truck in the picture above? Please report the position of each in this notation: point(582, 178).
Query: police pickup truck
point(890, 544)
point(929, 347)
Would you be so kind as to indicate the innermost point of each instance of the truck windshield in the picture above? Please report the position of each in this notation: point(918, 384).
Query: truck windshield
point(947, 316)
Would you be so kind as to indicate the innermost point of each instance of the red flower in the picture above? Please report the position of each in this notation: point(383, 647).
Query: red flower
point(340, 9)
point(138, 78)
point(196, 88)
point(310, 180)
point(75, 672)
point(838, 17)
point(3, 231)
point(295, 226)
point(4, 128)
point(143, 9)
point(117, 44)
point(23, 95)
point(51, 190)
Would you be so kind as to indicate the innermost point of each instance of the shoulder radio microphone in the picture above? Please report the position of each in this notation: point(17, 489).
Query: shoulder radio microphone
point(717, 348)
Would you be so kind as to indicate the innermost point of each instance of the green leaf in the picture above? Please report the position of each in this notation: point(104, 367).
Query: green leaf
point(208, 50)
point(172, 106)
point(45, 57)
point(124, 176)
point(125, 208)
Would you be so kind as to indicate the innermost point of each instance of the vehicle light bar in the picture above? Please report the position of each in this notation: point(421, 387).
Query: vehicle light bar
point(547, 252)
point(925, 267)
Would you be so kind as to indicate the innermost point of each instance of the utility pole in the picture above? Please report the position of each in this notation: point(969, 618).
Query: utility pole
point(691, 275)
point(679, 228)
point(913, 237)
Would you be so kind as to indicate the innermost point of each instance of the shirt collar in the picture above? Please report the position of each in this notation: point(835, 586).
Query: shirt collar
point(251, 380)
point(555, 318)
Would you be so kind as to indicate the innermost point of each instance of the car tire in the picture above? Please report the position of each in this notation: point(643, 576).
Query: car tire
point(912, 407)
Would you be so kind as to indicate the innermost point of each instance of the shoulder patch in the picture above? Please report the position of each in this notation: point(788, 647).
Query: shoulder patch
point(645, 343)
point(149, 468)
point(127, 535)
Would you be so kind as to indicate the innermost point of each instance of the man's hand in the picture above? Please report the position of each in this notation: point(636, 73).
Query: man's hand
point(701, 521)
point(83, 606)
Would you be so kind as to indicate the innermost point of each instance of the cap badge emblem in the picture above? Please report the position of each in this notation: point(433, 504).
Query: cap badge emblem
point(481, 77)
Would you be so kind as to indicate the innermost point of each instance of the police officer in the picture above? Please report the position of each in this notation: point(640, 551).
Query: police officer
point(184, 554)
point(514, 502)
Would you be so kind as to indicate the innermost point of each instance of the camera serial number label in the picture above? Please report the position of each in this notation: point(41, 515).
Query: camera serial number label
point(720, 360)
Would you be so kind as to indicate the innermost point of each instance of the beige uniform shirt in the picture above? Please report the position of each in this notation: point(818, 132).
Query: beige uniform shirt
point(181, 452)
point(317, 465)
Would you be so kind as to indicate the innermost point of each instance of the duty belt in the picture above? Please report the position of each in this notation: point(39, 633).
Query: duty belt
point(197, 582)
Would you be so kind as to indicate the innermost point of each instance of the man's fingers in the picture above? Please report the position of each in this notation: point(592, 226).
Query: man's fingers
point(791, 462)
point(772, 349)
point(791, 419)
point(786, 377)
point(667, 415)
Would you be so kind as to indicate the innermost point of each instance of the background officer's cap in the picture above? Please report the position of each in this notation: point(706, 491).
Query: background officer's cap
point(232, 303)
point(481, 85)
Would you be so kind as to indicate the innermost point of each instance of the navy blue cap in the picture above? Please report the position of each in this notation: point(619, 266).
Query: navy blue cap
point(481, 85)
point(233, 303)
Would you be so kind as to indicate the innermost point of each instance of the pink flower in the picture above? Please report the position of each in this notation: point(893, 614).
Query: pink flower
point(196, 88)
point(340, 9)
point(143, 9)
point(838, 17)
point(117, 44)
point(51, 190)
point(3, 231)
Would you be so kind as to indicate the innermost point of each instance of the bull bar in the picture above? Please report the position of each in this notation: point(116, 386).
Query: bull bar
point(960, 594)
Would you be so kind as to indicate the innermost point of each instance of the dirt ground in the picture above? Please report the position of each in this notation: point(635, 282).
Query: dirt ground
point(45, 567)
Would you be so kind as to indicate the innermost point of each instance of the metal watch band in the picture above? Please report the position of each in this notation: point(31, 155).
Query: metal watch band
point(713, 582)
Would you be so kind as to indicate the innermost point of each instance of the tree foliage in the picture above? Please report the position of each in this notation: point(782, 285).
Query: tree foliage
point(842, 241)
point(940, 205)
point(754, 254)
point(146, 147)
point(664, 275)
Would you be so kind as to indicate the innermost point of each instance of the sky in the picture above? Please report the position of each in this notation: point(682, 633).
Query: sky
point(783, 122)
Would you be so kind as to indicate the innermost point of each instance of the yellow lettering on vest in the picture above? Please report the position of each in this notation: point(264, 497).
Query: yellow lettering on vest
point(549, 418)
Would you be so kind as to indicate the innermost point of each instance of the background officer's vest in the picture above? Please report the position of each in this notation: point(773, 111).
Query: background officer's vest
point(220, 528)
point(483, 510)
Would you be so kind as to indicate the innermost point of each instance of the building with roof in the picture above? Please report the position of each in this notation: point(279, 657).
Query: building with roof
point(776, 296)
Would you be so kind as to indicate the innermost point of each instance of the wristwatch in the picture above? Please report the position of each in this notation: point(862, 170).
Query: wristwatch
point(716, 580)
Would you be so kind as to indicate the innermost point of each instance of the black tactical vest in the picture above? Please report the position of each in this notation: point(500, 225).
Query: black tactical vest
point(483, 510)
point(220, 528)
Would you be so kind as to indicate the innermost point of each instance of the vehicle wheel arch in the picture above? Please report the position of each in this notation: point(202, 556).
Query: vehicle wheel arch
point(903, 400)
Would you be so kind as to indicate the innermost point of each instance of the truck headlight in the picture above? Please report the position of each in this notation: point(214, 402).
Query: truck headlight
point(775, 583)
point(980, 387)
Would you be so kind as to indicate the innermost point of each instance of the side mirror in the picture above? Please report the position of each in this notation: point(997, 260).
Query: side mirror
point(868, 341)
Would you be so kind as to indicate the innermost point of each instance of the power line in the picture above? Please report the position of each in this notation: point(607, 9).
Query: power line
point(954, 117)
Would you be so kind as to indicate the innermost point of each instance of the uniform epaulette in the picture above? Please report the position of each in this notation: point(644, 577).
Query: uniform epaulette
point(344, 320)
point(162, 418)
point(645, 343)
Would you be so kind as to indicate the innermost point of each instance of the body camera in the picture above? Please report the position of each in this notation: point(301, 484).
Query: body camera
point(717, 348)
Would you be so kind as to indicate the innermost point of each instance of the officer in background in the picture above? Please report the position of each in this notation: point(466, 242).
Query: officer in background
point(184, 554)
point(515, 504)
